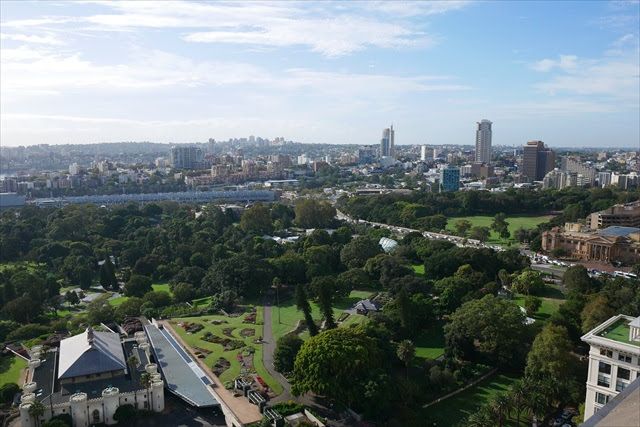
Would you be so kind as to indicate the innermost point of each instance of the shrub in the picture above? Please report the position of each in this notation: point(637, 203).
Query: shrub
point(28, 331)
point(287, 408)
point(7, 391)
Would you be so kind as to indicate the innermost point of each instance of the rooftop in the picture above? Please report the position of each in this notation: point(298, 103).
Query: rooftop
point(90, 352)
point(619, 331)
point(616, 231)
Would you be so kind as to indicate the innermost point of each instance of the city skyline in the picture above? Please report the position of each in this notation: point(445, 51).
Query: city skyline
point(320, 72)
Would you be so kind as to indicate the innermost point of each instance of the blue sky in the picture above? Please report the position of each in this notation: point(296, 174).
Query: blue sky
point(566, 73)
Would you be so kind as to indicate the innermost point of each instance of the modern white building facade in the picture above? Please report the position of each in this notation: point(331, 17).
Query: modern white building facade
point(483, 142)
point(614, 360)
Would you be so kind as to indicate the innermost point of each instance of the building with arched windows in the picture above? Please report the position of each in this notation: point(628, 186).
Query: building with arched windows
point(90, 377)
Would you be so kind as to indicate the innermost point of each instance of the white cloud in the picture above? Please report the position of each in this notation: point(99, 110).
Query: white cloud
point(565, 62)
point(340, 29)
point(47, 40)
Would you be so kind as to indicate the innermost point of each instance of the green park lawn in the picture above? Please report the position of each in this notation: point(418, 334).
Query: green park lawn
point(195, 340)
point(418, 269)
point(552, 297)
point(451, 411)
point(10, 369)
point(430, 344)
point(289, 314)
point(515, 222)
point(164, 287)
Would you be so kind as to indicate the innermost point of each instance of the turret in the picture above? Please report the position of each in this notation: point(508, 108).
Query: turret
point(151, 368)
point(111, 398)
point(26, 420)
point(157, 392)
point(79, 411)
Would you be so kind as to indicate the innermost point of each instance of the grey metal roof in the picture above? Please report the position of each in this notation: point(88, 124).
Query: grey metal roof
point(616, 231)
point(367, 304)
point(90, 352)
point(181, 374)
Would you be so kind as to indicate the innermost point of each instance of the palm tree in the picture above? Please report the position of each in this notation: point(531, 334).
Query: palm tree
point(145, 381)
point(500, 405)
point(516, 396)
point(481, 418)
point(535, 403)
point(132, 362)
point(406, 353)
point(36, 410)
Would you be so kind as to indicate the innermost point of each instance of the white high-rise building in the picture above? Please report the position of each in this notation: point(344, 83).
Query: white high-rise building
point(423, 153)
point(387, 143)
point(483, 142)
point(614, 360)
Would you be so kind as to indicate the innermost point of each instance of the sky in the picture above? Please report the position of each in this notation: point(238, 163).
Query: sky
point(566, 73)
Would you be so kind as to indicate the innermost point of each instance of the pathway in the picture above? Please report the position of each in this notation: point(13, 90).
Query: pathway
point(318, 404)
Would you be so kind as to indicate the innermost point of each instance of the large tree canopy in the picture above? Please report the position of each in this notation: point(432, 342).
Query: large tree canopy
point(312, 213)
point(490, 328)
point(336, 363)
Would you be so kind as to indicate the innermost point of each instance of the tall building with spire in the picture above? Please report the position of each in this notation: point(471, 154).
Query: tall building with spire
point(387, 142)
point(483, 142)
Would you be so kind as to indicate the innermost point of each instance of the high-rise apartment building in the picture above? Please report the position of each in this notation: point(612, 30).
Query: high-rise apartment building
point(483, 142)
point(537, 160)
point(449, 178)
point(387, 142)
point(614, 359)
point(423, 153)
point(185, 157)
point(573, 164)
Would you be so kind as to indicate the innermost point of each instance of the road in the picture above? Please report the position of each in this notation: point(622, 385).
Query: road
point(558, 272)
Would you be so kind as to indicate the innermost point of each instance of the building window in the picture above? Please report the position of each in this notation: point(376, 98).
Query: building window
point(603, 381)
point(624, 358)
point(604, 368)
point(602, 398)
point(96, 416)
point(620, 385)
point(605, 352)
point(623, 373)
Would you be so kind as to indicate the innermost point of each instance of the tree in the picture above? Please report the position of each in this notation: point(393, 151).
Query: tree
point(130, 307)
point(500, 225)
point(505, 278)
point(125, 415)
point(72, 297)
point(558, 252)
point(132, 362)
point(517, 395)
point(22, 309)
point(257, 220)
point(145, 381)
point(595, 312)
point(286, 351)
point(7, 392)
point(158, 299)
point(36, 410)
point(184, 292)
point(528, 282)
point(107, 275)
point(532, 304)
point(325, 299)
point(480, 233)
point(137, 286)
point(499, 403)
point(100, 311)
point(462, 226)
point(406, 353)
point(312, 213)
point(358, 251)
point(577, 279)
point(491, 328)
point(550, 355)
point(302, 304)
point(336, 363)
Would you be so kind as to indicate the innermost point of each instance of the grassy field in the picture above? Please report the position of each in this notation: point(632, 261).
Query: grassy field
point(418, 269)
point(430, 344)
point(156, 287)
point(195, 340)
point(10, 369)
point(515, 222)
point(551, 300)
point(289, 315)
point(451, 411)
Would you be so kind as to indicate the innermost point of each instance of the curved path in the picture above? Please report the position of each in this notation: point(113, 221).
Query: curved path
point(318, 404)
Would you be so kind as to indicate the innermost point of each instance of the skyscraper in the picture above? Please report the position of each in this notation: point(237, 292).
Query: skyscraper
point(386, 143)
point(449, 178)
point(483, 142)
point(423, 153)
point(537, 160)
point(184, 157)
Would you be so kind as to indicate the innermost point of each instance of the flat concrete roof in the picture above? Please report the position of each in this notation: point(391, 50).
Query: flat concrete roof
point(181, 374)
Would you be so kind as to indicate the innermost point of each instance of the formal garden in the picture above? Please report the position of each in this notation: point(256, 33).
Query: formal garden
point(231, 345)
